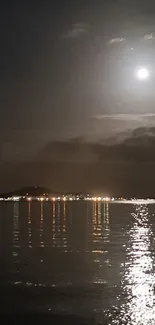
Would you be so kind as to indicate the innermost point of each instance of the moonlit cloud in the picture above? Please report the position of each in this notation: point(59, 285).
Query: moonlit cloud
point(148, 36)
point(77, 30)
point(116, 40)
point(125, 117)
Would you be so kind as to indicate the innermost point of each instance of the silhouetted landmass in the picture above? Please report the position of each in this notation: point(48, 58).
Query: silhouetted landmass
point(36, 191)
point(31, 191)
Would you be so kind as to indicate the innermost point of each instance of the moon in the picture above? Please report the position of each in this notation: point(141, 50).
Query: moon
point(142, 74)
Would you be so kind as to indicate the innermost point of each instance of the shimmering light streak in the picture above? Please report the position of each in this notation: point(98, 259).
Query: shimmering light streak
point(138, 281)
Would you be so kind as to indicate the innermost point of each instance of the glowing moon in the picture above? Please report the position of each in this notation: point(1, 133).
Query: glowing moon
point(142, 74)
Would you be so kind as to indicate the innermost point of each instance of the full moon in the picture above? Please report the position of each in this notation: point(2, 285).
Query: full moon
point(142, 74)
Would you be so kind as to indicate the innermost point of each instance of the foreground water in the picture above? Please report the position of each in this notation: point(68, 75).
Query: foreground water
point(92, 260)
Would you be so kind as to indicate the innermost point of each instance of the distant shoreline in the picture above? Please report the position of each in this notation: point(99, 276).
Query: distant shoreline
point(73, 198)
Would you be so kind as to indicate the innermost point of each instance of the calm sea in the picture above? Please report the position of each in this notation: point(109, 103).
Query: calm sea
point(92, 260)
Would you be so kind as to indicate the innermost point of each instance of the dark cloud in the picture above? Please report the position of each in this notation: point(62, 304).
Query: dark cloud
point(127, 146)
point(126, 168)
point(75, 150)
point(143, 132)
point(138, 147)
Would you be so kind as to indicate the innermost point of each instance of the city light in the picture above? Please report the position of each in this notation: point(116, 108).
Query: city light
point(73, 197)
point(106, 199)
point(16, 198)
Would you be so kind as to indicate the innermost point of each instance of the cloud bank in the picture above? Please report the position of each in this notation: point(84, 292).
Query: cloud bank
point(139, 147)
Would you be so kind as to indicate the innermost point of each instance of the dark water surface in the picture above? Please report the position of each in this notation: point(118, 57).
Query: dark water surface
point(92, 260)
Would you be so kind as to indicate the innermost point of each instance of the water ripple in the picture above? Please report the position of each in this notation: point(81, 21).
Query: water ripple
point(138, 279)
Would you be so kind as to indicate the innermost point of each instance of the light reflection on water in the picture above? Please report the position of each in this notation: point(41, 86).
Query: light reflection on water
point(101, 255)
point(41, 225)
point(29, 226)
point(138, 280)
point(16, 233)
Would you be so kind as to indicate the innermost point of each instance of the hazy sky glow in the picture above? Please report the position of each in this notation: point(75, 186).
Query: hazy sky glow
point(68, 76)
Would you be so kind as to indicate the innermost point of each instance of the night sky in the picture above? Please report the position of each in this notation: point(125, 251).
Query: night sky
point(73, 115)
